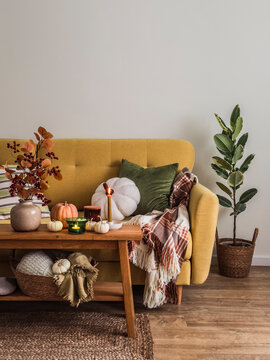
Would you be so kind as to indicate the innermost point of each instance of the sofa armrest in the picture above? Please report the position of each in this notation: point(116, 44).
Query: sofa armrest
point(203, 212)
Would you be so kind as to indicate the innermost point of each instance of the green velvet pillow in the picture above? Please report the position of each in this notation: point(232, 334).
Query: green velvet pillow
point(154, 184)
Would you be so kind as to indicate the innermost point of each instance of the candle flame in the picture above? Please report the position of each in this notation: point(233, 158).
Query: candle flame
point(109, 191)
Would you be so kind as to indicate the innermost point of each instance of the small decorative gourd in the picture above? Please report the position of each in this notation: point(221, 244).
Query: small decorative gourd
point(61, 211)
point(55, 226)
point(90, 225)
point(61, 266)
point(102, 227)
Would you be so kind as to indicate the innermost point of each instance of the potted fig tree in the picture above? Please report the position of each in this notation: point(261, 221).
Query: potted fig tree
point(234, 254)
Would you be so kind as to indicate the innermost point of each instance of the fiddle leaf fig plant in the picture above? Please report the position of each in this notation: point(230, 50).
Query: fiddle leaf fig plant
point(227, 165)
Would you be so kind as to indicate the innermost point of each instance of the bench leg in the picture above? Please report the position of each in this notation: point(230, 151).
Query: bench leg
point(179, 290)
point(127, 288)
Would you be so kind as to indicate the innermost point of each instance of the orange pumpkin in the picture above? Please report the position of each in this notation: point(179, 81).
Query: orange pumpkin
point(62, 211)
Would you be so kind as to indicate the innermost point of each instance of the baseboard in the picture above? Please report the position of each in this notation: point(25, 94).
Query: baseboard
point(261, 261)
point(256, 261)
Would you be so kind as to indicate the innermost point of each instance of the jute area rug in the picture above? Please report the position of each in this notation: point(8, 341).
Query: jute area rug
point(72, 336)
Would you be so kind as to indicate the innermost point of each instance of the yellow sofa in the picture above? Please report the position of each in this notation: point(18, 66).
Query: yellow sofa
point(85, 163)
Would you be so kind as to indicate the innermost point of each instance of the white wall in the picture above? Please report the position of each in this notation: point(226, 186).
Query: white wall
point(134, 69)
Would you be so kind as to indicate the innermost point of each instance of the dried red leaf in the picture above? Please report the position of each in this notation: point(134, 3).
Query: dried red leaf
point(48, 135)
point(20, 158)
point(37, 136)
point(25, 164)
point(42, 131)
point(33, 144)
point(47, 144)
point(9, 171)
point(25, 193)
point(43, 185)
point(31, 179)
point(58, 176)
point(28, 147)
point(46, 163)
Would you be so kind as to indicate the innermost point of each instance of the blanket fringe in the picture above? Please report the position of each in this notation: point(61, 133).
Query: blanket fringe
point(142, 258)
point(156, 278)
point(153, 296)
point(169, 272)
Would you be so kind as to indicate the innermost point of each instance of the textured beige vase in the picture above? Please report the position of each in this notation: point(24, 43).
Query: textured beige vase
point(25, 216)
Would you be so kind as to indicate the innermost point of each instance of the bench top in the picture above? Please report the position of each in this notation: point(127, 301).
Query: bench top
point(42, 238)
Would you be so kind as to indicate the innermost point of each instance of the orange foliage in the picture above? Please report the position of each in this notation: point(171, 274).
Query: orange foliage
point(32, 168)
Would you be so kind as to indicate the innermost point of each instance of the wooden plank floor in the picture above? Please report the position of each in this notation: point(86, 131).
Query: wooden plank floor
point(224, 319)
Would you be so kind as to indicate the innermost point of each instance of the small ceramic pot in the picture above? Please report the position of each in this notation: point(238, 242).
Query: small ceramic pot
point(25, 216)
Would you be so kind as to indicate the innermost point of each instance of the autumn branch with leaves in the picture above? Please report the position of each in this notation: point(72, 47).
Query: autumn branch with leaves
point(32, 170)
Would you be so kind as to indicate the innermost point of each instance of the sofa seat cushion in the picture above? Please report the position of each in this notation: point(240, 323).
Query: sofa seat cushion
point(112, 255)
point(110, 271)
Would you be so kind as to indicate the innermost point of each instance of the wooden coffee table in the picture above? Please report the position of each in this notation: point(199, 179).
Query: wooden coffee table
point(104, 291)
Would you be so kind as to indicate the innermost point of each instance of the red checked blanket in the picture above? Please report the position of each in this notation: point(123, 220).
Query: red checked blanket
point(162, 248)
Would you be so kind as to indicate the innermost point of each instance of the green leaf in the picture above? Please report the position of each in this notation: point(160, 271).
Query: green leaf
point(238, 154)
point(224, 201)
point(240, 208)
point(243, 168)
point(223, 164)
point(234, 116)
point(247, 195)
point(243, 139)
point(235, 178)
point(224, 188)
point(222, 124)
point(227, 156)
point(223, 173)
point(238, 127)
point(223, 143)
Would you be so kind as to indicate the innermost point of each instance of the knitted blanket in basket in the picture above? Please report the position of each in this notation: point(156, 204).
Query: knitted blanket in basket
point(162, 248)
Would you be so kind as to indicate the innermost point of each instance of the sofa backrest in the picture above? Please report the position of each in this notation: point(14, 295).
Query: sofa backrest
point(85, 163)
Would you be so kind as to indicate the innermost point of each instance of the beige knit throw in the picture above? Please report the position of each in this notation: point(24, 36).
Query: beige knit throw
point(76, 285)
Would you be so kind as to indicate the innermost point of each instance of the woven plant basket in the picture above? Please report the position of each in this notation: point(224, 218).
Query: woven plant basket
point(35, 286)
point(235, 261)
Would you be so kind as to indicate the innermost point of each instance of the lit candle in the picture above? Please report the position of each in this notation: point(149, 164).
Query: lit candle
point(76, 228)
point(109, 193)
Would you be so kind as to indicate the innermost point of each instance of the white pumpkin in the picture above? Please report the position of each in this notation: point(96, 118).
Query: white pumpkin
point(90, 225)
point(61, 266)
point(55, 226)
point(124, 200)
point(102, 227)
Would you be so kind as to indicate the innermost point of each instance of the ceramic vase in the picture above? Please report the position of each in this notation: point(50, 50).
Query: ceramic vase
point(25, 216)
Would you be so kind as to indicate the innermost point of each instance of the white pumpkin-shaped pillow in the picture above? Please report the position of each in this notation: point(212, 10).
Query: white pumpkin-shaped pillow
point(124, 201)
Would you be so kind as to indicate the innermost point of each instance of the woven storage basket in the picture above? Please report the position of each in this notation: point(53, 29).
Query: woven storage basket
point(235, 261)
point(35, 286)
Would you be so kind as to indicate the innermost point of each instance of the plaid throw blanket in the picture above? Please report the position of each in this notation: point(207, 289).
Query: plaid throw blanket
point(162, 248)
